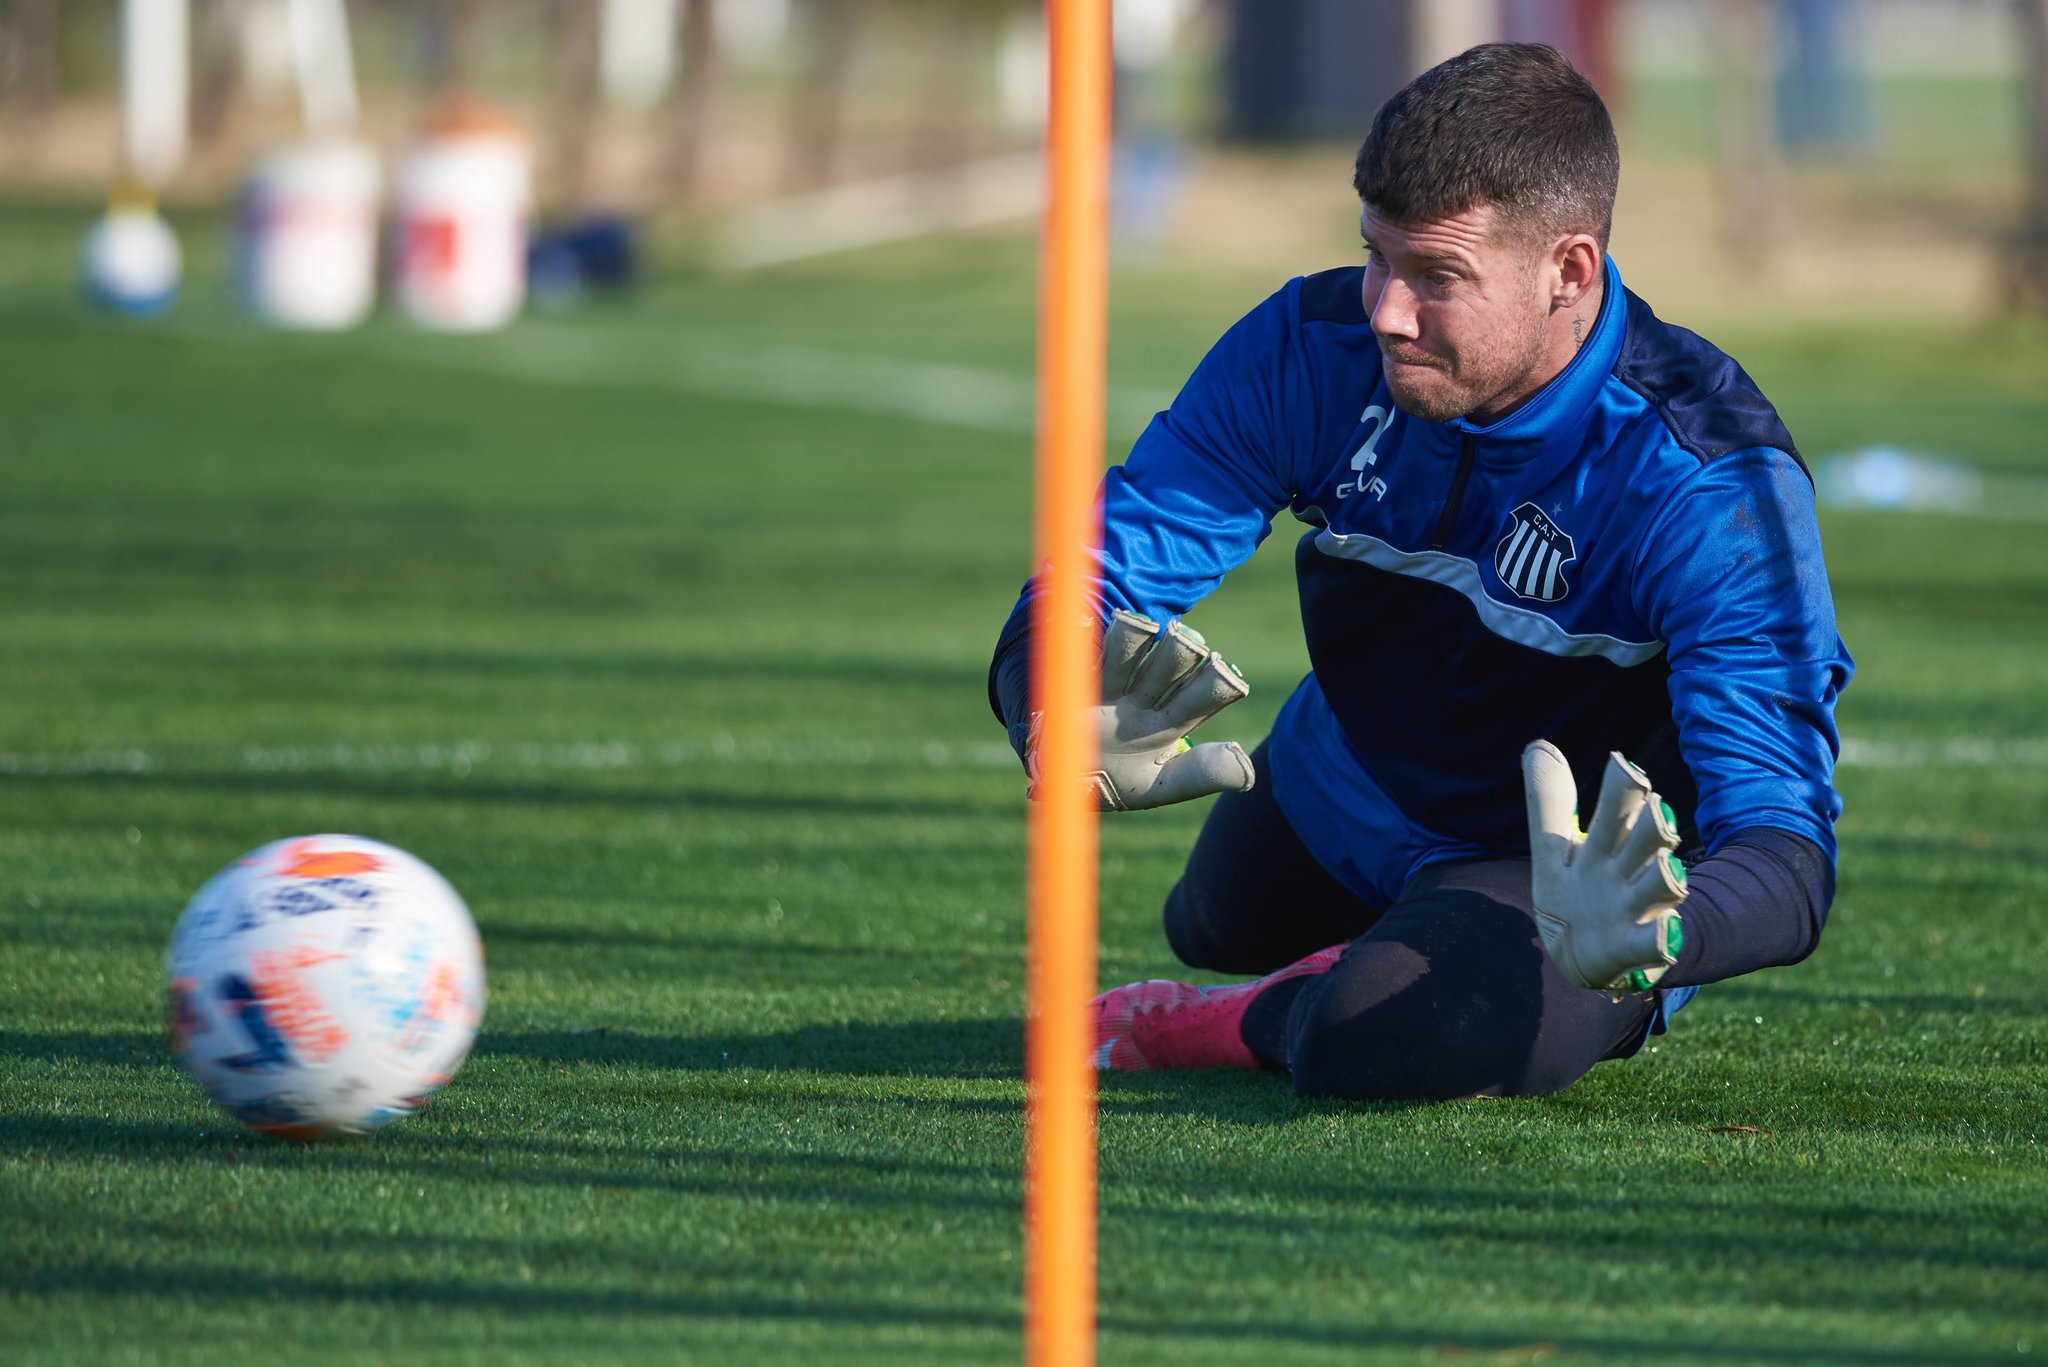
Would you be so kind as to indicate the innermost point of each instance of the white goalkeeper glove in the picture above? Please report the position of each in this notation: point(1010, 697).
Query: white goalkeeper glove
point(1156, 687)
point(1607, 901)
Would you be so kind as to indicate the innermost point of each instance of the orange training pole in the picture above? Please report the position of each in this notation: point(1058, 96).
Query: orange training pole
point(1059, 1139)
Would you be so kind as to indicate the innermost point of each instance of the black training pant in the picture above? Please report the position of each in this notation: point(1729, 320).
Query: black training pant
point(1444, 993)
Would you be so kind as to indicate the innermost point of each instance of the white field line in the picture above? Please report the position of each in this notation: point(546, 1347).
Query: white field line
point(692, 363)
point(1963, 752)
point(895, 209)
point(464, 757)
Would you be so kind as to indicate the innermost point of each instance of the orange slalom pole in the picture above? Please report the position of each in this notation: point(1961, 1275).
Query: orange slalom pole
point(1073, 324)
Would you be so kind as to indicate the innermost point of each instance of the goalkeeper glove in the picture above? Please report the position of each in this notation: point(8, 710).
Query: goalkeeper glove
point(1158, 685)
point(1606, 901)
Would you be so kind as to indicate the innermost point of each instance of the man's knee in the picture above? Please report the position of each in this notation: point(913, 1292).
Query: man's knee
point(1202, 933)
point(1451, 996)
point(1413, 1044)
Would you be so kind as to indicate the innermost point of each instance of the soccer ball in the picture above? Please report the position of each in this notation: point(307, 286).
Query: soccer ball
point(324, 985)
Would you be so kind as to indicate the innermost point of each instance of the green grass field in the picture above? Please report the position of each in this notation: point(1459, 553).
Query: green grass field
point(681, 682)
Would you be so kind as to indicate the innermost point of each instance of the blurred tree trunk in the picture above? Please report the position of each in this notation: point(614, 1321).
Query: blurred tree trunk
point(1745, 54)
point(448, 28)
point(28, 67)
point(955, 68)
point(572, 121)
point(817, 114)
point(696, 76)
point(2027, 265)
point(217, 63)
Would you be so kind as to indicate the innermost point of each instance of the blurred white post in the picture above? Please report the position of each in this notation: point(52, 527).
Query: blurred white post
point(1445, 28)
point(156, 87)
point(325, 65)
point(1023, 75)
point(130, 259)
point(637, 51)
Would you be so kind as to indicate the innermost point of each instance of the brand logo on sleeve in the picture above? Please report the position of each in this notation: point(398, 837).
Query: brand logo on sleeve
point(1373, 424)
point(1532, 556)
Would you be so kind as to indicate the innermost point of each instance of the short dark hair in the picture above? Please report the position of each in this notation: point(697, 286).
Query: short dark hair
point(1513, 125)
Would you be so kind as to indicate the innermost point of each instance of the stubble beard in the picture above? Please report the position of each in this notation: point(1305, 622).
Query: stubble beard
point(1501, 373)
point(1440, 403)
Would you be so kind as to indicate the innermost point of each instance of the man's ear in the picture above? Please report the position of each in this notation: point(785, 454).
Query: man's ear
point(1576, 262)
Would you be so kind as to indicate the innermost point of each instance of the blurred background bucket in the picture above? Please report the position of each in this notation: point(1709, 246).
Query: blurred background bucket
point(307, 235)
point(464, 194)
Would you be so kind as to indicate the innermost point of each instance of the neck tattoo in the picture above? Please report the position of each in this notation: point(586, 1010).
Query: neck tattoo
point(1578, 333)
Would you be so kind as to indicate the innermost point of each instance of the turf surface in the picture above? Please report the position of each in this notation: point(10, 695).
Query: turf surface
point(683, 689)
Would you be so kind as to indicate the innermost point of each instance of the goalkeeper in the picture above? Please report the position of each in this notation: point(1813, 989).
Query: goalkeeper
point(1562, 559)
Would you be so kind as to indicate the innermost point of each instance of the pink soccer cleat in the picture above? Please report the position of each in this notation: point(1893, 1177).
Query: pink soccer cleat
point(1162, 1024)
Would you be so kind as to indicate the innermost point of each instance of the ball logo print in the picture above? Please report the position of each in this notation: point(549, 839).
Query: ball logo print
point(306, 860)
point(268, 1052)
point(324, 985)
point(292, 1005)
point(1531, 558)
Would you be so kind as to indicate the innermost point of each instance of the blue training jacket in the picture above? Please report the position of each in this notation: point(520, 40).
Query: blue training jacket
point(1629, 561)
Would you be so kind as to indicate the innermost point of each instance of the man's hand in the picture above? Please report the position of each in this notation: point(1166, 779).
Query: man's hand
point(1606, 902)
point(1156, 687)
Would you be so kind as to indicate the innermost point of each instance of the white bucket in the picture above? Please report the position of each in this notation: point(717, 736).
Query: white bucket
point(308, 235)
point(463, 200)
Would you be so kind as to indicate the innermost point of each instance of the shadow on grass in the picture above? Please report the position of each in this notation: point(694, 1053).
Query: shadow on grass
point(509, 1297)
point(974, 1048)
point(113, 1049)
point(982, 1048)
point(731, 1068)
point(622, 1161)
point(769, 956)
point(970, 1049)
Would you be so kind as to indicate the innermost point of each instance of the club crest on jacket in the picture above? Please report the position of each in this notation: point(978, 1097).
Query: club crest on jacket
point(1532, 556)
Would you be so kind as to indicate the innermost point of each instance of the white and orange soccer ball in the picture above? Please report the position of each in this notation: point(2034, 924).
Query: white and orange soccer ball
point(324, 985)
